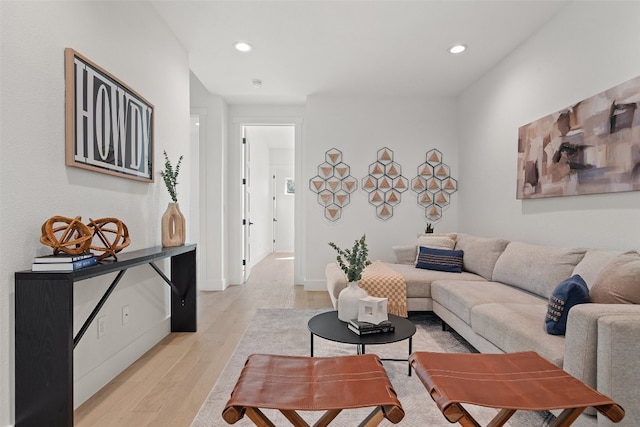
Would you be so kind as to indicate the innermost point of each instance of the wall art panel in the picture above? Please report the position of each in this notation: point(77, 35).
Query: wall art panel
point(333, 184)
point(587, 148)
point(434, 185)
point(385, 184)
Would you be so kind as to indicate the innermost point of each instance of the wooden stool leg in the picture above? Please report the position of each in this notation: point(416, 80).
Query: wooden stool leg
point(258, 418)
point(567, 417)
point(374, 418)
point(456, 413)
point(326, 419)
point(294, 418)
point(501, 418)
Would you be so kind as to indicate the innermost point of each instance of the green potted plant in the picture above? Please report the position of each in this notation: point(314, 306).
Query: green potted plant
point(173, 222)
point(170, 176)
point(352, 261)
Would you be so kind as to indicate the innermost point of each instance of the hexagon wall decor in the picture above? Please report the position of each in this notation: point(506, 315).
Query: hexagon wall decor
point(385, 184)
point(434, 185)
point(333, 184)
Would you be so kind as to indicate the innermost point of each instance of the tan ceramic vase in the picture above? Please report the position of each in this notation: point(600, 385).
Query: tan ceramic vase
point(173, 226)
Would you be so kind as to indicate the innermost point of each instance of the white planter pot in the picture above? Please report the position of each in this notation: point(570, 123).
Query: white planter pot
point(348, 301)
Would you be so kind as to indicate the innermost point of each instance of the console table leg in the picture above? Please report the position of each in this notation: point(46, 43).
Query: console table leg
point(44, 353)
point(184, 308)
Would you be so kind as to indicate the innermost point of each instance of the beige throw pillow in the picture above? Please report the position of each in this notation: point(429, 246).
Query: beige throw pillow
point(435, 242)
point(619, 281)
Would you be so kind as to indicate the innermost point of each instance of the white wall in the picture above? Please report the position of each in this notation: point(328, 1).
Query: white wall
point(130, 41)
point(212, 111)
point(359, 127)
point(589, 47)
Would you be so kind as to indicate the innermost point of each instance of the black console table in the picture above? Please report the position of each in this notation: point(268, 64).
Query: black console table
point(44, 340)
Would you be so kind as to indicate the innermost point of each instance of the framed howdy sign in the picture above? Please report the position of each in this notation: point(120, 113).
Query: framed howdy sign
point(109, 127)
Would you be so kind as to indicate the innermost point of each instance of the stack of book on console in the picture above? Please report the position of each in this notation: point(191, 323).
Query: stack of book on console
point(63, 262)
point(366, 328)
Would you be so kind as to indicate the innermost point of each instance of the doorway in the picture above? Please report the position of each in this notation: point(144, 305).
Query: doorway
point(268, 192)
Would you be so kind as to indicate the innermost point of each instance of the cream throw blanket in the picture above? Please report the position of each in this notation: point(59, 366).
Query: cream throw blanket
point(382, 281)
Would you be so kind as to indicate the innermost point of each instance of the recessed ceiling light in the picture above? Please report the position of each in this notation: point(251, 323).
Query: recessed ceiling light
point(457, 48)
point(243, 46)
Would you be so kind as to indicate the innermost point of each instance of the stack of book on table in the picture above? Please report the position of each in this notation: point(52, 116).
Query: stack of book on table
point(366, 328)
point(63, 262)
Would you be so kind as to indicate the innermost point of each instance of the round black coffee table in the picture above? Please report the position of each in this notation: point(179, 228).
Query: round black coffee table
point(328, 326)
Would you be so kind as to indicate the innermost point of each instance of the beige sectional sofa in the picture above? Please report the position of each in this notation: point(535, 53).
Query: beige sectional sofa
point(499, 303)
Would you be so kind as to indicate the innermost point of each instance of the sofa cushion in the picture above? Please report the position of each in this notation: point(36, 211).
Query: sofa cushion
point(419, 281)
point(481, 253)
point(439, 259)
point(459, 296)
point(593, 263)
point(619, 281)
point(536, 268)
point(405, 254)
point(568, 293)
point(518, 327)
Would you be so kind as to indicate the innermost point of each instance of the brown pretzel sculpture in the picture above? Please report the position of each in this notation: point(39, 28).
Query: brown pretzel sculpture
point(68, 235)
point(103, 228)
point(71, 236)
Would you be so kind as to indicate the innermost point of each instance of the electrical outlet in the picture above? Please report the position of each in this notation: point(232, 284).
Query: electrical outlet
point(101, 326)
point(125, 314)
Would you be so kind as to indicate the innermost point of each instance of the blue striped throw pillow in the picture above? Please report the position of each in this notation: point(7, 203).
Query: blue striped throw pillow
point(440, 259)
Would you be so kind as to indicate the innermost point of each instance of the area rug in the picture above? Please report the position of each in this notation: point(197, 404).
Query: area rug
point(284, 331)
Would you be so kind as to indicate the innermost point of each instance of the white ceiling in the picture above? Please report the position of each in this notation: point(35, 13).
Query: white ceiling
point(304, 47)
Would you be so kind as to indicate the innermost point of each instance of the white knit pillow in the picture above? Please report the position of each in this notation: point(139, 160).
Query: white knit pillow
point(435, 242)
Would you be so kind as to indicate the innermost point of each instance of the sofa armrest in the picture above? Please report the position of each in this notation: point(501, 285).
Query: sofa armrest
point(582, 347)
point(581, 339)
point(405, 254)
point(618, 365)
point(336, 282)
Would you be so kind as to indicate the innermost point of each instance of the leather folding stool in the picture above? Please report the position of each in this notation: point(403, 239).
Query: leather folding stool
point(510, 382)
point(330, 384)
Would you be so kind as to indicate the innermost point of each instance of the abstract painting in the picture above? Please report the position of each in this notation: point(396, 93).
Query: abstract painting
point(587, 148)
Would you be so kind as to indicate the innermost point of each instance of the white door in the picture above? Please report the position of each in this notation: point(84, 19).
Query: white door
point(246, 206)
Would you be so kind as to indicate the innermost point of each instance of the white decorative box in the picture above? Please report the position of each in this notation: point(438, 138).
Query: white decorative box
point(372, 310)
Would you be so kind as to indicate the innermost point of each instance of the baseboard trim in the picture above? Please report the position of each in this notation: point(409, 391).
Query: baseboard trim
point(315, 285)
point(89, 384)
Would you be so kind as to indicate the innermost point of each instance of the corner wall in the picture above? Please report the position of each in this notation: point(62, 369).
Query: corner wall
point(212, 112)
point(359, 126)
point(587, 48)
point(131, 42)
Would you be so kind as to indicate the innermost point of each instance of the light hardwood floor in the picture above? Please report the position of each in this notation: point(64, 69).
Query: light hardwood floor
point(167, 385)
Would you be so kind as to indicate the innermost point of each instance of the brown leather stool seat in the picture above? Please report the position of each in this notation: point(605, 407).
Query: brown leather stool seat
point(331, 384)
point(510, 381)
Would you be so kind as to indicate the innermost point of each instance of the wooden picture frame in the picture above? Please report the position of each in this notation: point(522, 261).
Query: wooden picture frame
point(109, 127)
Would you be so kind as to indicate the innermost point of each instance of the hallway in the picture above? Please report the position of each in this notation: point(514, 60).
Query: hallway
point(167, 385)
